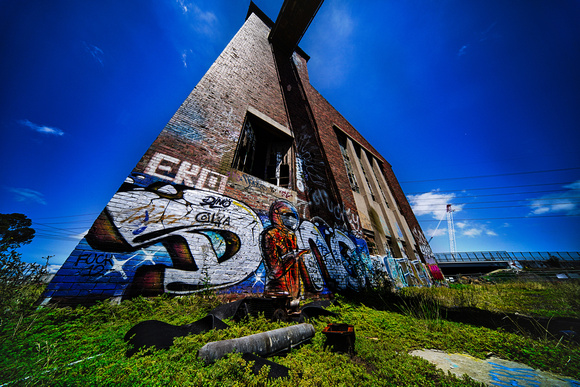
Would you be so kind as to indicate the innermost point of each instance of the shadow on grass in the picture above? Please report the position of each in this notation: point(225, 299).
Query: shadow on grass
point(424, 307)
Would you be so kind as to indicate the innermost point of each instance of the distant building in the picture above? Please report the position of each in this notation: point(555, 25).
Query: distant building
point(256, 185)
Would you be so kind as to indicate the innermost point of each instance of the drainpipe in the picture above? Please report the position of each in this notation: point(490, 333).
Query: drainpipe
point(262, 344)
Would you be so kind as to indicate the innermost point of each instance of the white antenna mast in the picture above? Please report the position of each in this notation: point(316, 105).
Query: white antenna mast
point(451, 231)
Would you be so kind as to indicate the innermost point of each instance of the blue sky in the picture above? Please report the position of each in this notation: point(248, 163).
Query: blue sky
point(474, 103)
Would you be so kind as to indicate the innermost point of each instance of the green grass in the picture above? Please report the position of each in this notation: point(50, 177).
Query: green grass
point(40, 346)
point(547, 299)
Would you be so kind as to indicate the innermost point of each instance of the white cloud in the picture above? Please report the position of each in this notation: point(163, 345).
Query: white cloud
point(41, 128)
point(483, 36)
point(184, 54)
point(332, 37)
point(462, 50)
point(434, 233)
point(95, 52)
point(538, 209)
point(27, 195)
point(203, 21)
point(432, 203)
point(80, 235)
point(565, 202)
point(53, 268)
point(472, 232)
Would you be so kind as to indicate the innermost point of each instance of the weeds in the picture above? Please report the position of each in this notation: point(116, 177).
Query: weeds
point(85, 345)
point(530, 298)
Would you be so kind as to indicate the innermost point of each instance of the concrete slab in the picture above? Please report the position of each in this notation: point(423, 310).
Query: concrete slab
point(493, 371)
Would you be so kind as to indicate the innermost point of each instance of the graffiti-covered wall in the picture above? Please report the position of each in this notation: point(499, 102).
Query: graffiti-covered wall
point(241, 192)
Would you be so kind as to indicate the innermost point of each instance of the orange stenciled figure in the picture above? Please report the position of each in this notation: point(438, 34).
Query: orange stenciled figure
point(280, 250)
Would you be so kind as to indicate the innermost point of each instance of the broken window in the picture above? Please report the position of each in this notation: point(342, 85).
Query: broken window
point(389, 248)
point(264, 152)
point(347, 162)
point(370, 239)
point(371, 192)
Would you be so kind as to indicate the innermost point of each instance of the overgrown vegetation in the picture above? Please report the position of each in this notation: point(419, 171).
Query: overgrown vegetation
point(84, 346)
point(20, 282)
point(548, 299)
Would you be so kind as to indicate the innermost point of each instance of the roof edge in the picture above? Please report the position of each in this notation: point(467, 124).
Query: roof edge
point(254, 9)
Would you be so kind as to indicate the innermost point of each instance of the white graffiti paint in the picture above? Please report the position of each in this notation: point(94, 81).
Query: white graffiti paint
point(342, 214)
point(222, 238)
point(164, 166)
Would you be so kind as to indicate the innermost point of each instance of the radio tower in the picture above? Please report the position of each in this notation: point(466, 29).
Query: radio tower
point(451, 231)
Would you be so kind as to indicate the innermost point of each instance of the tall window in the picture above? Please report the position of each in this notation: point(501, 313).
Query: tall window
point(371, 192)
point(347, 162)
point(264, 152)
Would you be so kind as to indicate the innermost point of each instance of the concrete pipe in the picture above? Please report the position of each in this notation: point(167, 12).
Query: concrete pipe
point(262, 344)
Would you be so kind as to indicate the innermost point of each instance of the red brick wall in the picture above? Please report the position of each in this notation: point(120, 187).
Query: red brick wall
point(184, 219)
point(206, 127)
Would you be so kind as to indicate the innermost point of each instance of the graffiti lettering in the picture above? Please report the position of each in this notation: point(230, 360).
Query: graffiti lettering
point(215, 218)
point(93, 263)
point(155, 238)
point(321, 198)
point(403, 272)
point(201, 245)
point(163, 167)
point(312, 167)
point(428, 255)
point(215, 202)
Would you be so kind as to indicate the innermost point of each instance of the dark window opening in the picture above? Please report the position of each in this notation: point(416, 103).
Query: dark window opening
point(371, 192)
point(371, 243)
point(347, 162)
point(264, 152)
point(389, 248)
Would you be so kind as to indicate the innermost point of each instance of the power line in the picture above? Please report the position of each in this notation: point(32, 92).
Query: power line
point(508, 217)
point(443, 202)
point(69, 222)
point(70, 216)
point(486, 188)
point(515, 193)
point(512, 206)
point(484, 176)
point(69, 231)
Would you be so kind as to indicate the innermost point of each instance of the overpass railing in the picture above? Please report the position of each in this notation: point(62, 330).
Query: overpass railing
point(474, 256)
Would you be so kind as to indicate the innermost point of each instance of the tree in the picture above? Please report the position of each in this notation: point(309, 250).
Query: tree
point(16, 277)
point(15, 231)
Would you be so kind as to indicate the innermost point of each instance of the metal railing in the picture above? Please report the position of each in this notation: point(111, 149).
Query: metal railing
point(476, 256)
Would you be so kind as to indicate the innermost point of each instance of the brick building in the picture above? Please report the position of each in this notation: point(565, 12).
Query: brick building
point(256, 185)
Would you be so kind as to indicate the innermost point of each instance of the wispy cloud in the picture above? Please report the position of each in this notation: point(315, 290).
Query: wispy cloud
point(564, 202)
point(184, 55)
point(202, 21)
point(41, 128)
point(433, 203)
point(95, 52)
point(462, 50)
point(53, 268)
point(332, 37)
point(432, 232)
point(27, 195)
point(483, 36)
point(472, 229)
point(80, 235)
